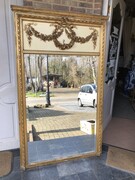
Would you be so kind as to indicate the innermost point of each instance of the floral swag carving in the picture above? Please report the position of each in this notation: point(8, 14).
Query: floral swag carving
point(60, 27)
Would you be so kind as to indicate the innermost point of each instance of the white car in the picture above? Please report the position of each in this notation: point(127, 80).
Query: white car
point(88, 95)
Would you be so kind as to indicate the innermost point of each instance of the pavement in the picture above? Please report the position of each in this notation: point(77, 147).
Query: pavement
point(60, 120)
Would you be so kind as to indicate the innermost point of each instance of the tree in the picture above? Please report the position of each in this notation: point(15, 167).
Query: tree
point(40, 65)
point(30, 73)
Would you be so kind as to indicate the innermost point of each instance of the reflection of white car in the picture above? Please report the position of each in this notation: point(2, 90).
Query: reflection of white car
point(88, 95)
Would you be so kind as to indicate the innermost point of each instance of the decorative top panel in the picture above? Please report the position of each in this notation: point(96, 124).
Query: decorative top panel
point(47, 32)
point(60, 36)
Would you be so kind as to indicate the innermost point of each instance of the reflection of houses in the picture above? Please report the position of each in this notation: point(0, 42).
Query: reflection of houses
point(54, 80)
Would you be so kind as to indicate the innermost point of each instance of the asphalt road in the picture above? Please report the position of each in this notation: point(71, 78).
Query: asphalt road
point(61, 97)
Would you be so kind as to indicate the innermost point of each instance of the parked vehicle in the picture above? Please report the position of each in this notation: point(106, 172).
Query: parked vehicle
point(87, 95)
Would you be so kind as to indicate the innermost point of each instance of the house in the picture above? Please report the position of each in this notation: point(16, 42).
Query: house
point(54, 80)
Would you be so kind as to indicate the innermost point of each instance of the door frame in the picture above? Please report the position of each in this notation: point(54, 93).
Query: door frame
point(109, 88)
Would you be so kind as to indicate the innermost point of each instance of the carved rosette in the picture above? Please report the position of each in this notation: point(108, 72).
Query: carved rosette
point(59, 28)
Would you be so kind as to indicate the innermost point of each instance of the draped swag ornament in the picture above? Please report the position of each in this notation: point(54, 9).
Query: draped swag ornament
point(60, 28)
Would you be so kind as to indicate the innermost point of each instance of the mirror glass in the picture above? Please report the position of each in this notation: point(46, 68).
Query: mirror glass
point(61, 105)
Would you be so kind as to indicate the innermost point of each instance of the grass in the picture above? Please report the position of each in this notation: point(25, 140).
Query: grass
point(32, 94)
point(38, 94)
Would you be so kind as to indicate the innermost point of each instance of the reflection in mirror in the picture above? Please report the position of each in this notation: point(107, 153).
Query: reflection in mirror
point(61, 99)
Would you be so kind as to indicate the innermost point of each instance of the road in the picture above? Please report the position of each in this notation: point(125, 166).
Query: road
point(62, 97)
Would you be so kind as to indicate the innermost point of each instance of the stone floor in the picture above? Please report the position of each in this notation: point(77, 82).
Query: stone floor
point(39, 151)
point(93, 168)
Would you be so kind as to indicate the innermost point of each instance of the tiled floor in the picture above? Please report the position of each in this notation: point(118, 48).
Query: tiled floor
point(39, 151)
point(93, 168)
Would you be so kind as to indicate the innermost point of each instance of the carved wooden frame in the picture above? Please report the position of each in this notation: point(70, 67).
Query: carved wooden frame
point(30, 14)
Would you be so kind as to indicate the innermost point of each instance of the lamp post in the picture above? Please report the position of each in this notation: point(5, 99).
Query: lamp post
point(48, 90)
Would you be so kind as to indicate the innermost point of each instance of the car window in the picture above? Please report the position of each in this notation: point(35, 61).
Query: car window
point(95, 87)
point(89, 89)
point(86, 89)
point(83, 89)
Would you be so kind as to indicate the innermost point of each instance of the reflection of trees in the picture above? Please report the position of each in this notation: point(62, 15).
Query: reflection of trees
point(72, 73)
point(40, 63)
point(72, 70)
point(30, 73)
point(92, 63)
point(33, 71)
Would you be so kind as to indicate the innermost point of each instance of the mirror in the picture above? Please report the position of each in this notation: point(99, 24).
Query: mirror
point(60, 66)
point(61, 100)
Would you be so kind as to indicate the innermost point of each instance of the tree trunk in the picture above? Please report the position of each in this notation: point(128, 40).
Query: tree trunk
point(32, 83)
point(40, 58)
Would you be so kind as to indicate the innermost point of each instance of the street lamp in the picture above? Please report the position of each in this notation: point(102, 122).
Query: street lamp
point(47, 91)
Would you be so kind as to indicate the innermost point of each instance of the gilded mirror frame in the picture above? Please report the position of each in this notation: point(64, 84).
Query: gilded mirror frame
point(39, 15)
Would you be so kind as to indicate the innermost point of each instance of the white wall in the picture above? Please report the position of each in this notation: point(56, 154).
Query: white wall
point(9, 129)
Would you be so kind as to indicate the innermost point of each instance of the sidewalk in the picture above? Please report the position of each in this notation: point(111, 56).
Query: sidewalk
point(55, 122)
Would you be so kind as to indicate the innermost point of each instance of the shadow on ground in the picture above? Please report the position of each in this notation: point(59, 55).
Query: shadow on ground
point(36, 113)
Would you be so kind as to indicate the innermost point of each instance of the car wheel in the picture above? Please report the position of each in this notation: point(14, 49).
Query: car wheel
point(94, 104)
point(80, 103)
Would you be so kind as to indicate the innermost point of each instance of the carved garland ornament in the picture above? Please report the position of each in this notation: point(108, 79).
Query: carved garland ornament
point(60, 27)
